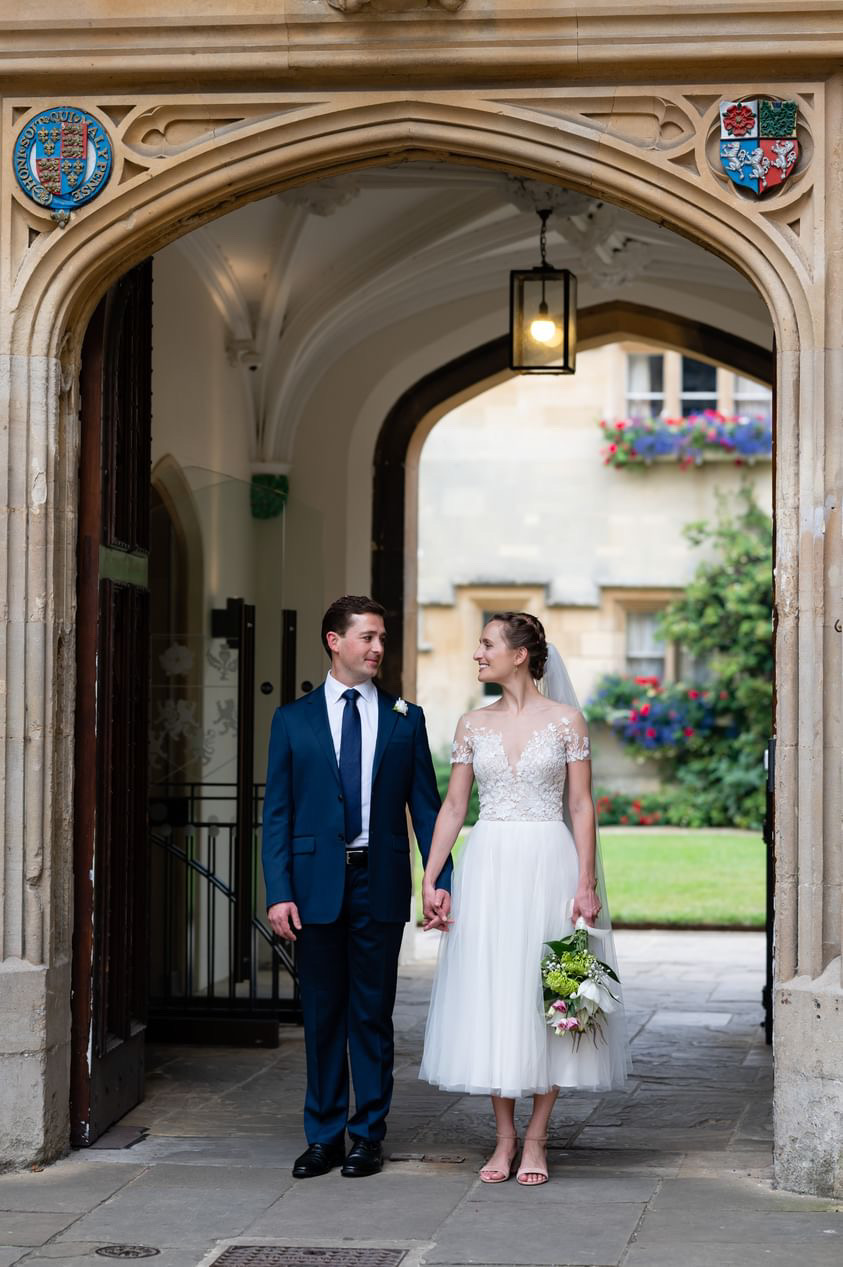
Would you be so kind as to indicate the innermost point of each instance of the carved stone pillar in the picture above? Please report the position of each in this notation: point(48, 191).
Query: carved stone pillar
point(36, 708)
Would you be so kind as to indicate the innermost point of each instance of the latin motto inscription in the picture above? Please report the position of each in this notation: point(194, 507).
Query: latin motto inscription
point(62, 158)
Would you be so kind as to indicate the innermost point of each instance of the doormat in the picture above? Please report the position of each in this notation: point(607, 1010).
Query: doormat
point(306, 1256)
point(121, 1137)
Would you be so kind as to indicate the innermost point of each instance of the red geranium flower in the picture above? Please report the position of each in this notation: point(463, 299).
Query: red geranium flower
point(692, 694)
point(645, 710)
point(624, 818)
point(689, 730)
point(738, 120)
point(724, 694)
point(619, 426)
point(650, 733)
point(613, 448)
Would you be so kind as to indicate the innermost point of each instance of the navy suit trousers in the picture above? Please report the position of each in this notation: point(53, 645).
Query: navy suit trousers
point(348, 972)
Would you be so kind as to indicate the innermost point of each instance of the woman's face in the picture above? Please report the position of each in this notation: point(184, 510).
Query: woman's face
point(496, 662)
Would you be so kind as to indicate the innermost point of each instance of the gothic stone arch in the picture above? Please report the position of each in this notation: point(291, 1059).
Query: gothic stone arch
point(183, 159)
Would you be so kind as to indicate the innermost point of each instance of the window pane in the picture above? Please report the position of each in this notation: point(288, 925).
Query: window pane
point(641, 636)
point(644, 407)
point(697, 404)
point(690, 669)
point(748, 387)
point(645, 666)
point(644, 648)
point(752, 400)
point(645, 375)
point(698, 377)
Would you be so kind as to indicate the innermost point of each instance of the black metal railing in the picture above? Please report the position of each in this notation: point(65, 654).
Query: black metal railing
point(209, 982)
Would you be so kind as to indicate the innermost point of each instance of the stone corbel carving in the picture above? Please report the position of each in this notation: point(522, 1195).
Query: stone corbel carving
point(395, 6)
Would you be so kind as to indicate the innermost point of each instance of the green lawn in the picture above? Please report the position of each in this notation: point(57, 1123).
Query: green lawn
point(685, 877)
point(680, 877)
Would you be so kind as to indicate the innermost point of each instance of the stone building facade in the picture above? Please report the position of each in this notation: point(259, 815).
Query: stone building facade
point(596, 551)
point(210, 112)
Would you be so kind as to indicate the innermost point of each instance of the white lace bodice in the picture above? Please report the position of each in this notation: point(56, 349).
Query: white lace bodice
point(532, 788)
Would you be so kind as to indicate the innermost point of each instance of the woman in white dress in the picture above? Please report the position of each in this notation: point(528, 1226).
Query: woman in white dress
point(524, 877)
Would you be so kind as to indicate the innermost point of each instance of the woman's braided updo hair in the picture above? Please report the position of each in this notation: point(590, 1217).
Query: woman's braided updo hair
point(520, 629)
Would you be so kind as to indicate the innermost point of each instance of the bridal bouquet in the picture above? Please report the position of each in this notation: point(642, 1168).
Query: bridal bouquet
point(577, 995)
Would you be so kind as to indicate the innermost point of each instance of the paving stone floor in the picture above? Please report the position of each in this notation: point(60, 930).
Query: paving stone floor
point(673, 1172)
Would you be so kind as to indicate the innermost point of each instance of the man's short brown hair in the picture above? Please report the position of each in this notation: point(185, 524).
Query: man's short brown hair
point(338, 616)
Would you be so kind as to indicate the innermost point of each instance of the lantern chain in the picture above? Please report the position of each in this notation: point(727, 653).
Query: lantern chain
point(544, 214)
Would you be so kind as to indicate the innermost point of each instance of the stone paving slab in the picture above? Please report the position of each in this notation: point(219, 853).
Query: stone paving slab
point(10, 1254)
point(182, 1206)
point(738, 1254)
point(806, 1234)
point(397, 1202)
point(580, 1234)
point(70, 1186)
point(74, 1254)
point(735, 1193)
point(572, 1185)
point(17, 1228)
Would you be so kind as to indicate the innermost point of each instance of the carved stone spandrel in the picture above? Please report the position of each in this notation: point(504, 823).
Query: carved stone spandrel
point(394, 6)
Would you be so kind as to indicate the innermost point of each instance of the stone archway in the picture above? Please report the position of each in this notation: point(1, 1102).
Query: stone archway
point(184, 160)
point(413, 416)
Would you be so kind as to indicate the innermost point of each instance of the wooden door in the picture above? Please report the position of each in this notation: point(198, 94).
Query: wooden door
point(110, 862)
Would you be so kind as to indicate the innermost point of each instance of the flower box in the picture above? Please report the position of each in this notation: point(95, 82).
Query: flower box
point(691, 441)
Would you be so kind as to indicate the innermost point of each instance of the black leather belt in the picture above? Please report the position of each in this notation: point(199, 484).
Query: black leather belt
point(357, 857)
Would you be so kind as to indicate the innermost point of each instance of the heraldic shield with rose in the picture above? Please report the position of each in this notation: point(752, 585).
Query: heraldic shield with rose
point(758, 145)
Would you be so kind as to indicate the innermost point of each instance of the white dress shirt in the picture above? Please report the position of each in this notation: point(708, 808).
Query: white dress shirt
point(367, 707)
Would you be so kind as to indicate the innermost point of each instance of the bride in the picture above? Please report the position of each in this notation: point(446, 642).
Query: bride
point(525, 876)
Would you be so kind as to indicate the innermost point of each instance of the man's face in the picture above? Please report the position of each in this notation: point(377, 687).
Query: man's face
point(356, 655)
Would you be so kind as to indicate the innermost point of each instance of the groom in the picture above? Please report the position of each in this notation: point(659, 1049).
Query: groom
point(344, 763)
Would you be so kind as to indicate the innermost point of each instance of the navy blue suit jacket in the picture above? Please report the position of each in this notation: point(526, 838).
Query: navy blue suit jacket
point(304, 820)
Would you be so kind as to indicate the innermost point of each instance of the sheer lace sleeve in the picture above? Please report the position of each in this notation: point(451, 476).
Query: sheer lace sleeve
point(575, 734)
point(462, 749)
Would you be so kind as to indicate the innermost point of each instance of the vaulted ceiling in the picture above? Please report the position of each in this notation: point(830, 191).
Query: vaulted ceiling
point(303, 277)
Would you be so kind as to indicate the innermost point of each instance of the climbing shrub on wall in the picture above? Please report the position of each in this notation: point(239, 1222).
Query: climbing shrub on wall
point(709, 736)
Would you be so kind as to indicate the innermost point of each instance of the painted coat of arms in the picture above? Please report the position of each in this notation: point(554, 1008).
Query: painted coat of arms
point(758, 146)
point(62, 158)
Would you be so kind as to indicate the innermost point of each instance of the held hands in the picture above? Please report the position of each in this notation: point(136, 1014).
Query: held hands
point(586, 904)
point(283, 918)
point(437, 907)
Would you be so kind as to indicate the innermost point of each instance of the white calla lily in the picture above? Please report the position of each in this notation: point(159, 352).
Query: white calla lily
point(594, 997)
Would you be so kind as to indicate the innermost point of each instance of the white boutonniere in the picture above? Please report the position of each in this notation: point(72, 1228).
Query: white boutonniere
point(400, 706)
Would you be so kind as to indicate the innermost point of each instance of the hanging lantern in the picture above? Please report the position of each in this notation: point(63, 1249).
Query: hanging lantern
point(543, 315)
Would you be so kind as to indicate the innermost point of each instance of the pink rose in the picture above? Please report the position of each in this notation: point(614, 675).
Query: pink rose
point(560, 1006)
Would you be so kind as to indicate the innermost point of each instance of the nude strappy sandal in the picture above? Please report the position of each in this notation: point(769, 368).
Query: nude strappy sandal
point(502, 1176)
point(533, 1170)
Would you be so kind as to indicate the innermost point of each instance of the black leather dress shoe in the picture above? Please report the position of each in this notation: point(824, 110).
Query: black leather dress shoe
point(318, 1159)
point(365, 1157)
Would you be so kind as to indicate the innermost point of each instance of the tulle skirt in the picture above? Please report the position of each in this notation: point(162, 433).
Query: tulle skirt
point(486, 1031)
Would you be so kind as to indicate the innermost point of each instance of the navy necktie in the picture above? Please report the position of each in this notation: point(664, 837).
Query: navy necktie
point(351, 746)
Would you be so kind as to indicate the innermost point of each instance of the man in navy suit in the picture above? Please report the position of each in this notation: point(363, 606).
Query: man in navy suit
point(345, 762)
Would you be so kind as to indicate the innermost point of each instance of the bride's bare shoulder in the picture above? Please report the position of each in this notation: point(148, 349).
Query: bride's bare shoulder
point(566, 713)
point(477, 716)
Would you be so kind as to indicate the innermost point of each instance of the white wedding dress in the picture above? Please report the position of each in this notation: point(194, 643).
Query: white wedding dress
point(486, 1030)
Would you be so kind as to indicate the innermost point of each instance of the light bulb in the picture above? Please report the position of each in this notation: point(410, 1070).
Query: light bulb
point(544, 330)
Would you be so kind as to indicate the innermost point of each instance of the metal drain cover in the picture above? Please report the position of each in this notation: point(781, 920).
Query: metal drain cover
point(126, 1251)
point(306, 1256)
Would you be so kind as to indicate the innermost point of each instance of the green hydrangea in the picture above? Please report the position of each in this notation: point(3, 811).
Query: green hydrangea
point(577, 964)
point(562, 984)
